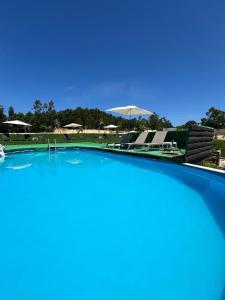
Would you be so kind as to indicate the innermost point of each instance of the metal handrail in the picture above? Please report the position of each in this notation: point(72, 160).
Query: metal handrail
point(49, 144)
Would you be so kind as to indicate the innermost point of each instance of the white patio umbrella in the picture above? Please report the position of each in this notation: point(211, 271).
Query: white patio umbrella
point(130, 110)
point(111, 126)
point(17, 122)
point(72, 125)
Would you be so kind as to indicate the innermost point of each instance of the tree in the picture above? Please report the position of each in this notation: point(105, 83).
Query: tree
point(2, 118)
point(214, 118)
point(57, 124)
point(49, 116)
point(51, 106)
point(164, 123)
point(11, 113)
point(38, 107)
point(44, 117)
point(157, 123)
point(154, 121)
point(187, 124)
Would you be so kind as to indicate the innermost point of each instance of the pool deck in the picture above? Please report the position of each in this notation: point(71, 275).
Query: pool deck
point(97, 146)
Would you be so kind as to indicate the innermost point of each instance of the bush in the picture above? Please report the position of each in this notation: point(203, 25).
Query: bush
point(210, 165)
point(220, 145)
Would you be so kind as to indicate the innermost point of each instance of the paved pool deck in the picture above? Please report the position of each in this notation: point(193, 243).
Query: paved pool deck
point(177, 156)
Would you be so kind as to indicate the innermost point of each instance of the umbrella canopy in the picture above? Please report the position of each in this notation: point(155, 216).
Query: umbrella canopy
point(132, 131)
point(111, 126)
point(72, 125)
point(16, 122)
point(130, 110)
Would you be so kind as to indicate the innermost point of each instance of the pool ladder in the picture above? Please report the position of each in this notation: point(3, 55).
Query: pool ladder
point(51, 147)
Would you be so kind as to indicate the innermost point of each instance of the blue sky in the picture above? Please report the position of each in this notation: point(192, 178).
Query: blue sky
point(166, 56)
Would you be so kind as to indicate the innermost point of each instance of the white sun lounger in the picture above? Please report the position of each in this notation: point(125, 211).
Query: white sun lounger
point(158, 141)
point(140, 139)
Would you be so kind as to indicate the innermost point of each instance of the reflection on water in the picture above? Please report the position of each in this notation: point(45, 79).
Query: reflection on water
point(50, 162)
point(19, 167)
point(74, 161)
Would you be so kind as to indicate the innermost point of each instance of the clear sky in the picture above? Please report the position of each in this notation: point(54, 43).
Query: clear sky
point(166, 56)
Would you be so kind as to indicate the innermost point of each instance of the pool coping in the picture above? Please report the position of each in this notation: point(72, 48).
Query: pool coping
point(95, 146)
point(215, 171)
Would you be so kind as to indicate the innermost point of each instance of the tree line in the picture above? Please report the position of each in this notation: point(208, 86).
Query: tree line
point(45, 118)
point(214, 118)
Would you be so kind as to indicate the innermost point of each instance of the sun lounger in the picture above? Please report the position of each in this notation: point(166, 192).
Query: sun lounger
point(139, 141)
point(157, 141)
point(126, 139)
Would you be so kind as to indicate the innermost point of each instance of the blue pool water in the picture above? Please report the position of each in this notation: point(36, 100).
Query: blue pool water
point(84, 225)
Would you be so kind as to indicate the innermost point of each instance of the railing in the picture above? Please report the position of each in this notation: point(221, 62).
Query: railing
point(49, 145)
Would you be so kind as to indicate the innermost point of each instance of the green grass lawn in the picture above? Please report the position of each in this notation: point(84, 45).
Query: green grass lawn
point(220, 145)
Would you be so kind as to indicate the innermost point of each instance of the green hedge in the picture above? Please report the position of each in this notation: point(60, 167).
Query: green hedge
point(179, 136)
point(20, 139)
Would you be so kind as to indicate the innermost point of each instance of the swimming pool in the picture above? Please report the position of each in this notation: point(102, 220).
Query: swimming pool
point(84, 224)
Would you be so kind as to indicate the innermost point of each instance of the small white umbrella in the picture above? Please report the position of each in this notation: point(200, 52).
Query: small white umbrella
point(111, 126)
point(72, 125)
point(16, 122)
point(130, 110)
